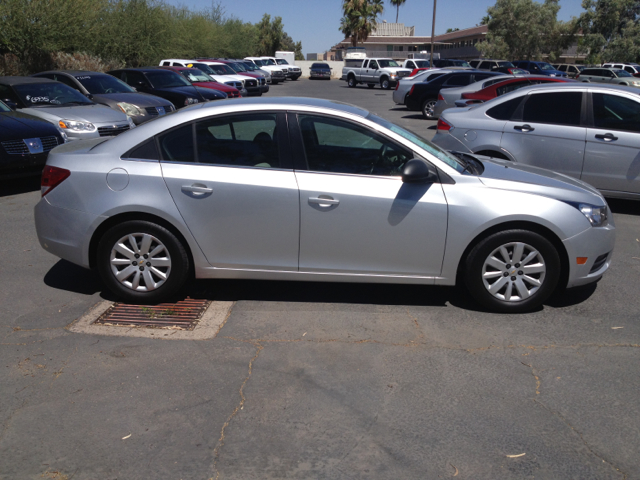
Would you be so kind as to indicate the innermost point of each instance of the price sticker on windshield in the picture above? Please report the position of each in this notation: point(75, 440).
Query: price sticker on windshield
point(161, 110)
point(83, 78)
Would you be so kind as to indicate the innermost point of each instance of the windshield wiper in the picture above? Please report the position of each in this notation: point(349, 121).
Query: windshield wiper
point(470, 162)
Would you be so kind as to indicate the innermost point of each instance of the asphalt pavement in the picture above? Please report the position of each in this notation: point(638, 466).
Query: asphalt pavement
point(318, 380)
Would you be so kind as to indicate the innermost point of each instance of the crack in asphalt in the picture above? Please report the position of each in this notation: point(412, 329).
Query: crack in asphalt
point(586, 444)
point(533, 372)
point(240, 406)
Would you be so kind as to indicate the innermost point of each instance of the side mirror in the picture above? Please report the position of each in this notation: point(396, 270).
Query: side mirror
point(417, 170)
point(10, 103)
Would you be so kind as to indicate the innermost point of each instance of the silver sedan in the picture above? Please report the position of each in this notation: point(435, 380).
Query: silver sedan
point(587, 131)
point(313, 190)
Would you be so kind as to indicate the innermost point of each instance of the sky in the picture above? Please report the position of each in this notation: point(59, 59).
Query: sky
point(316, 23)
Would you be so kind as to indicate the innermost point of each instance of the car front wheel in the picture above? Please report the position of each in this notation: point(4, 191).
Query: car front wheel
point(351, 82)
point(428, 107)
point(512, 271)
point(142, 262)
point(384, 83)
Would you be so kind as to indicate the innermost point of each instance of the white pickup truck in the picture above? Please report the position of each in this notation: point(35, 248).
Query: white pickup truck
point(375, 71)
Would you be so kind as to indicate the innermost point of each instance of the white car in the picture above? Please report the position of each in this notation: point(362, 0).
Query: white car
point(294, 72)
point(278, 73)
point(235, 81)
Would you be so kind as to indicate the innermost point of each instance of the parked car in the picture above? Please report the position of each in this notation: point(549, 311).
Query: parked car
point(608, 75)
point(63, 106)
point(294, 72)
point(447, 97)
point(108, 90)
point(587, 131)
point(227, 80)
point(572, 71)
point(632, 68)
point(166, 84)
point(539, 68)
point(450, 62)
point(416, 71)
point(198, 78)
point(252, 67)
point(375, 71)
point(413, 63)
point(25, 142)
point(489, 64)
point(222, 71)
point(241, 69)
point(499, 89)
point(358, 199)
point(320, 70)
point(424, 96)
point(404, 85)
point(278, 74)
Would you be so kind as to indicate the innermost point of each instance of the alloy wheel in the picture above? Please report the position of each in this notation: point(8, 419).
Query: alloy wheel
point(140, 262)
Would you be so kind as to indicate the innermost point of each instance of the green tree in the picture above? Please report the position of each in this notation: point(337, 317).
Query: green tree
point(611, 30)
point(397, 4)
point(359, 18)
point(290, 46)
point(525, 29)
point(450, 30)
point(270, 35)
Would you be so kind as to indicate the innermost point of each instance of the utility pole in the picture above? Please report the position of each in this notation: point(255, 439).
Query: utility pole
point(433, 31)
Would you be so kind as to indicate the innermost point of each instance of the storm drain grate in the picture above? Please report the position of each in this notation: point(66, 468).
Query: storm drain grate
point(183, 315)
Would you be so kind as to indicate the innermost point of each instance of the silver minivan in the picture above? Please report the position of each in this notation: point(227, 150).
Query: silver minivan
point(608, 75)
point(586, 131)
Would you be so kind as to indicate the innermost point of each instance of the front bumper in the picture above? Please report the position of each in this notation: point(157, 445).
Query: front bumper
point(14, 166)
point(594, 244)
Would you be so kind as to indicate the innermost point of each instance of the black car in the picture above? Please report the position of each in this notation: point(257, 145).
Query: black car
point(25, 142)
point(320, 70)
point(423, 96)
point(114, 93)
point(166, 84)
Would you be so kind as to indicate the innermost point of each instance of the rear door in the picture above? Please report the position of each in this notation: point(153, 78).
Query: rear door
point(231, 179)
point(612, 158)
point(549, 131)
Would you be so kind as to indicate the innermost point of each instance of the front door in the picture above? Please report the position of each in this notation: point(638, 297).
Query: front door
point(612, 158)
point(549, 132)
point(357, 216)
point(229, 180)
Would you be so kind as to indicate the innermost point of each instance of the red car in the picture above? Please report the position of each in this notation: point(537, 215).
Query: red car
point(201, 79)
point(509, 85)
point(240, 69)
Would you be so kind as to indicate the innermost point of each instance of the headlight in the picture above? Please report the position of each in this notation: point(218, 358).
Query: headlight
point(597, 216)
point(190, 101)
point(131, 124)
point(77, 126)
point(130, 109)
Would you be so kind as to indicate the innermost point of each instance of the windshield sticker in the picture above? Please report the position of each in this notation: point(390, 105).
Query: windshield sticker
point(41, 99)
point(190, 65)
point(83, 78)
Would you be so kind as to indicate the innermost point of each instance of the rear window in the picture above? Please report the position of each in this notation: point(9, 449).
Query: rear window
point(591, 71)
point(558, 108)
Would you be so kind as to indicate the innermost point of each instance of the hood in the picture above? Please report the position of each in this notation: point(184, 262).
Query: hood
point(211, 94)
point(86, 113)
point(221, 87)
point(397, 69)
point(506, 175)
point(188, 91)
point(16, 125)
point(138, 99)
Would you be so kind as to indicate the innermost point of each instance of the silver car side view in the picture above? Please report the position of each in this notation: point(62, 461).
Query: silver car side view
point(313, 190)
point(590, 132)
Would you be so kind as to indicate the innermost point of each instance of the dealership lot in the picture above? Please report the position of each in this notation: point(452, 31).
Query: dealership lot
point(310, 380)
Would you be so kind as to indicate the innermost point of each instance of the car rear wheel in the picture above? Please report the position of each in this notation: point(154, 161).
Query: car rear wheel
point(512, 271)
point(428, 107)
point(142, 262)
point(351, 82)
point(385, 84)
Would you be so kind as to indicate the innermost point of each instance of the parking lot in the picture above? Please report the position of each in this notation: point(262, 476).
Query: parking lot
point(318, 380)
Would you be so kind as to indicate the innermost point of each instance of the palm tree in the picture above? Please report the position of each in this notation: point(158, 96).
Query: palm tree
point(397, 3)
point(359, 18)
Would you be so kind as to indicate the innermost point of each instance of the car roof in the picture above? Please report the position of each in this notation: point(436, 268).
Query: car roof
point(139, 69)
point(24, 80)
point(296, 101)
point(572, 86)
point(75, 72)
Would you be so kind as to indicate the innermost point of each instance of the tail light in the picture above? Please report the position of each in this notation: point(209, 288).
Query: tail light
point(51, 178)
point(440, 97)
point(577, 76)
point(443, 125)
point(411, 91)
point(397, 85)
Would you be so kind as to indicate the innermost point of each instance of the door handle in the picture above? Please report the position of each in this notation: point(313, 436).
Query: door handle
point(324, 202)
point(196, 189)
point(607, 137)
point(524, 128)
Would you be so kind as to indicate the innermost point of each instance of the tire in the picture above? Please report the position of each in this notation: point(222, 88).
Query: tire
point(371, 85)
point(351, 82)
point(385, 84)
point(489, 276)
point(117, 253)
point(427, 108)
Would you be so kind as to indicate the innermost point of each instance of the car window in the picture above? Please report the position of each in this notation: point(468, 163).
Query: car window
point(505, 110)
point(373, 64)
point(622, 73)
point(147, 150)
point(559, 108)
point(474, 63)
point(338, 146)
point(511, 87)
point(177, 145)
point(589, 71)
point(493, 81)
point(613, 112)
point(562, 68)
point(458, 80)
point(167, 79)
point(66, 80)
point(134, 78)
point(484, 65)
point(505, 64)
point(54, 93)
point(481, 76)
point(100, 84)
point(239, 141)
point(630, 70)
point(7, 94)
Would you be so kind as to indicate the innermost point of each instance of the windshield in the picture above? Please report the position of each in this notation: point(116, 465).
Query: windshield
point(580, 67)
point(196, 75)
point(222, 70)
point(460, 63)
point(622, 73)
point(387, 63)
point(47, 94)
point(320, 65)
point(4, 108)
point(167, 80)
point(261, 63)
point(203, 67)
point(506, 64)
point(100, 84)
point(421, 63)
point(282, 61)
point(250, 66)
point(268, 61)
point(238, 67)
point(518, 71)
point(545, 66)
point(422, 143)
